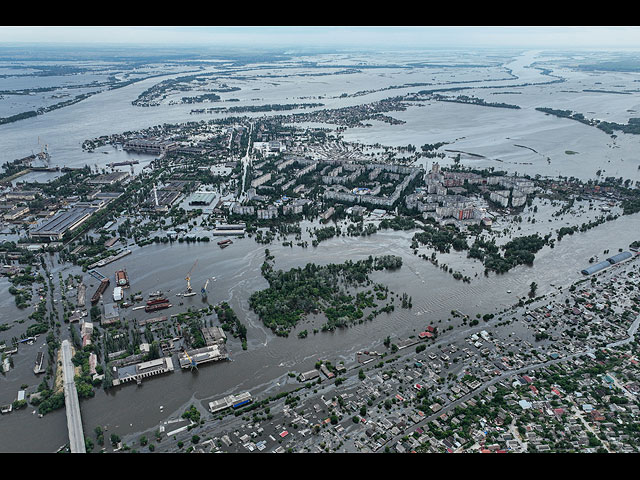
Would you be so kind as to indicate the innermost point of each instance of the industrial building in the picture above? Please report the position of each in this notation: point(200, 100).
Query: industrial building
point(149, 146)
point(211, 353)
point(234, 401)
point(108, 178)
point(620, 257)
point(213, 335)
point(595, 268)
point(142, 370)
point(63, 222)
point(202, 198)
point(110, 313)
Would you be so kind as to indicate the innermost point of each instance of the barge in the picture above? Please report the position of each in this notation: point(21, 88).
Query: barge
point(157, 306)
point(122, 280)
point(157, 300)
point(38, 366)
point(104, 283)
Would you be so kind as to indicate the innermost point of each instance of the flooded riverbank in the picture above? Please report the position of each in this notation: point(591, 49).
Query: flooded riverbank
point(264, 366)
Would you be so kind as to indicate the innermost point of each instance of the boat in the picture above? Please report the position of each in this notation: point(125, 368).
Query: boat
point(508, 291)
point(225, 243)
point(122, 280)
point(101, 288)
point(190, 294)
point(156, 294)
point(38, 366)
point(157, 306)
point(157, 300)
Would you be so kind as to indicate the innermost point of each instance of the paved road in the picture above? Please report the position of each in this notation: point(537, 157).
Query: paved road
point(246, 162)
point(72, 404)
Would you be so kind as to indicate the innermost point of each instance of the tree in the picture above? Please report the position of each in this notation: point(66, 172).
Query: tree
point(534, 288)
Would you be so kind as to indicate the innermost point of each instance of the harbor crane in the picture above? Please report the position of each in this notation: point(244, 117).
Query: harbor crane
point(204, 289)
point(188, 278)
point(193, 362)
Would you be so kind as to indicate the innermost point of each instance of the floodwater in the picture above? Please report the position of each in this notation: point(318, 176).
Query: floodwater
point(263, 368)
point(268, 360)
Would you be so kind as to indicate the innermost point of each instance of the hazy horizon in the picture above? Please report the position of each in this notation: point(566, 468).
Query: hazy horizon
point(325, 37)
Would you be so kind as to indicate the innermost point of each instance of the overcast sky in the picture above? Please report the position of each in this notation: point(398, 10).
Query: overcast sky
point(332, 36)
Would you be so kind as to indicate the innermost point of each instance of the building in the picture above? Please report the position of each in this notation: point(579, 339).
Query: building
point(261, 180)
point(268, 213)
point(63, 222)
point(110, 313)
point(501, 197)
point(202, 198)
point(156, 147)
point(108, 178)
point(210, 353)
point(243, 209)
point(142, 370)
point(518, 198)
point(14, 212)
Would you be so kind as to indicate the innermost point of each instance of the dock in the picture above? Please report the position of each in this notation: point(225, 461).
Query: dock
point(108, 260)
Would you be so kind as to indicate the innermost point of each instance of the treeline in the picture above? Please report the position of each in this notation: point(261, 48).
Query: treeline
point(231, 323)
point(474, 101)
point(519, 251)
point(631, 127)
point(442, 239)
point(18, 116)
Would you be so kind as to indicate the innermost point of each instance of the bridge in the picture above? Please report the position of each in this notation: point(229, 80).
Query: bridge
point(72, 404)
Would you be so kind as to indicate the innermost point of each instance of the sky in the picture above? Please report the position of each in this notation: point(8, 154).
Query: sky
point(332, 36)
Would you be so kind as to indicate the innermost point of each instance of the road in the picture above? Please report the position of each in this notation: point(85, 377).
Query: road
point(246, 161)
point(72, 404)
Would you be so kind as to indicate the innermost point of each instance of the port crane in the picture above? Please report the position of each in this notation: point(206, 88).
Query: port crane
point(193, 362)
point(204, 289)
point(188, 277)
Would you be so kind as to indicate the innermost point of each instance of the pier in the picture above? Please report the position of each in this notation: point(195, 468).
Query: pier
point(71, 402)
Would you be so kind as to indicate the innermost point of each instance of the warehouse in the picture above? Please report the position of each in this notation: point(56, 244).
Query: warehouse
point(202, 198)
point(68, 220)
point(619, 257)
point(108, 178)
point(595, 268)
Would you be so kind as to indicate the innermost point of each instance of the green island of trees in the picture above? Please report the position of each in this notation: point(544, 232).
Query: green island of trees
point(231, 323)
point(293, 294)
